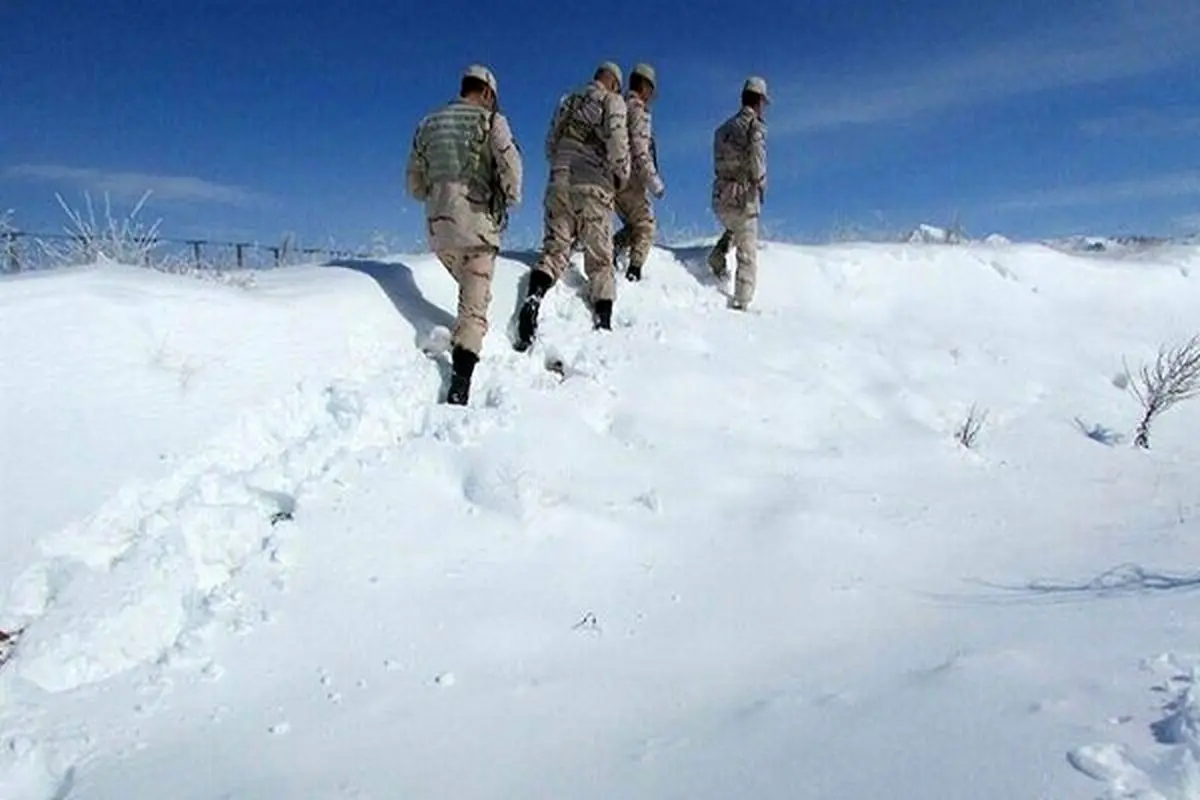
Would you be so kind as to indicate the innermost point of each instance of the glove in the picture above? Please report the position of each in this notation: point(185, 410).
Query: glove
point(657, 187)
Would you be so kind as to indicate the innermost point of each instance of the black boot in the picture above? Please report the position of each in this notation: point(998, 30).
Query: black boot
point(463, 361)
point(634, 273)
point(602, 315)
point(527, 319)
point(718, 255)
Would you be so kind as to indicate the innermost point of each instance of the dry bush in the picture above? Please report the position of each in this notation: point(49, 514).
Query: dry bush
point(1172, 378)
point(126, 241)
point(969, 431)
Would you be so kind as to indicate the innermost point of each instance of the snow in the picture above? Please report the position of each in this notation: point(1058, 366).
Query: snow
point(725, 555)
point(931, 234)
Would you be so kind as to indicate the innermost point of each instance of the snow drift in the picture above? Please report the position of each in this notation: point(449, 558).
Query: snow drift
point(723, 555)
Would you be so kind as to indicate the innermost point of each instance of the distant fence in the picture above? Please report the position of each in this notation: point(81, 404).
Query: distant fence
point(23, 251)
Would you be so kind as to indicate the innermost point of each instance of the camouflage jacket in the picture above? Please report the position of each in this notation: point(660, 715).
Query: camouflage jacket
point(466, 168)
point(740, 163)
point(587, 143)
point(644, 161)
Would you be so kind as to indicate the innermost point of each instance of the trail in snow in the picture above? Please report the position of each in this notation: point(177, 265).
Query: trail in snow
point(162, 558)
point(148, 578)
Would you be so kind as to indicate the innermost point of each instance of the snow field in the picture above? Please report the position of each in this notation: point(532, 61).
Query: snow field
point(728, 555)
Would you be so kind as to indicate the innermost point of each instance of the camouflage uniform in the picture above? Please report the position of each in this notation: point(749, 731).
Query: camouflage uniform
point(739, 184)
point(587, 146)
point(466, 168)
point(633, 202)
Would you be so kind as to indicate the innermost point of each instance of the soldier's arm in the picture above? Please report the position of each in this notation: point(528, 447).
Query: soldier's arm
point(552, 132)
point(506, 155)
point(418, 182)
point(758, 157)
point(641, 164)
point(616, 138)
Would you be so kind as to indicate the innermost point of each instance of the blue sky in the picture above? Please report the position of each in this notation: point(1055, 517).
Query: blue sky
point(251, 118)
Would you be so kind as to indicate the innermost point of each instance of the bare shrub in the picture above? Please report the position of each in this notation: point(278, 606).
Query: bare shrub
point(1172, 378)
point(131, 242)
point(971, 427)
point(127, 241)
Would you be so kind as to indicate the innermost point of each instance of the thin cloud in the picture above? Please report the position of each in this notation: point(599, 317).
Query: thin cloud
point(1144, 122)
point(1189, 223)
point(1184, 184)
point(1121, 39)
point(132, 185)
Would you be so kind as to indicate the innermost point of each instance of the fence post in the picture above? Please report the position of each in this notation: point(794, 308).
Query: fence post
point(195, 251)
point(241, 260)
point(276, 250)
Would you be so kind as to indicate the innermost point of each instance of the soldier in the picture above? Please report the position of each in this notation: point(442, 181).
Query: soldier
point(466, 168)
point(739, 185)
point(588, 149)
point(633, 204)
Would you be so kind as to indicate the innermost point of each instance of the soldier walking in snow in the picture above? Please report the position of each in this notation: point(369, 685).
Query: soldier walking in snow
point(633, 203)
point(739, 185)
point(466, 168)
point(588, 149)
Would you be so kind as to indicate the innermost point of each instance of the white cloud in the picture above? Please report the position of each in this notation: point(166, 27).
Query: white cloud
point(1184, 184)
point(1119, 39)
point(132, 185)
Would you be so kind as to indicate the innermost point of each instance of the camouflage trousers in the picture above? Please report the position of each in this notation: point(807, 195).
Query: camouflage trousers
point(637, 231)
point(741, 233)
point(579, 214)
point(472, 270)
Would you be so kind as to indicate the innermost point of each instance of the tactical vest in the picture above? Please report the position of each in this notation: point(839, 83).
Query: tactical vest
point(731, 147)
point(581, 119)
point(455, 145)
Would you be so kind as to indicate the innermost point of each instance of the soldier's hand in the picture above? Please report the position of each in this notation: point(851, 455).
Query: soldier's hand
point(657, 187)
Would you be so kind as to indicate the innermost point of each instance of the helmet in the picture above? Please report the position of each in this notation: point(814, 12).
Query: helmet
point(647, 72)
point(758, 86)
point(611, 66)
point(482, 73)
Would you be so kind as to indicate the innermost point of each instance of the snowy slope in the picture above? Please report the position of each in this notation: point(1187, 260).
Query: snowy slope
point(728, 556)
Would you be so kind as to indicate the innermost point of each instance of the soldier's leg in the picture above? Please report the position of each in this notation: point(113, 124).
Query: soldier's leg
point(594, 208)
point(558, 232)
point(453, 260)
point(624, 236)
point(450, 260)
point(745, 239)
point(474, 299)
point(472, 271)
point(719, 255)
point(558, 237)
point(642, 225)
